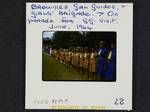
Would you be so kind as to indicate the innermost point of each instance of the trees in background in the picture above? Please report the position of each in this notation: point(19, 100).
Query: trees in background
point(67, 39)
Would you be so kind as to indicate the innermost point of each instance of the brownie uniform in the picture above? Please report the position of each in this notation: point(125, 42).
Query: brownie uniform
point(92, 67)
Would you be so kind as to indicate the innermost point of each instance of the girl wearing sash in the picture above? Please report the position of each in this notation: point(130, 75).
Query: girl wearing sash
point(111, 66)
point(102, 56)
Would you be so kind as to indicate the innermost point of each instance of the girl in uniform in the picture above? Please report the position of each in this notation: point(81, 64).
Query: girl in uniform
point(72, 58)
point(81, 60)
point(111, 66)
point(66, 57)
point(86, 62)
point(93, 60)
point(77, 56)
point(59, 55)
point(69, 58)
point(63, 56)
point(102, 57)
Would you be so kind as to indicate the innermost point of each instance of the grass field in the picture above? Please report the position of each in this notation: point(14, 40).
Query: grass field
point(53, 70)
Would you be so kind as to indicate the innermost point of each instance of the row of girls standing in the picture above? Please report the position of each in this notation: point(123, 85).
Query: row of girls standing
point(98, 64)
point(82, 60)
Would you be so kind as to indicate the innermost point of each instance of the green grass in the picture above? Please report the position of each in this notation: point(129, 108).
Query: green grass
point(53, 70)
